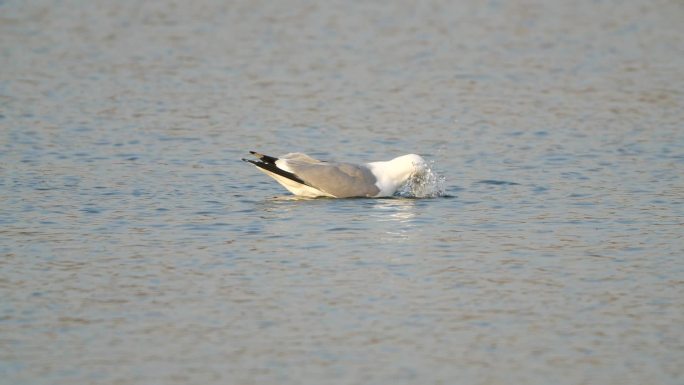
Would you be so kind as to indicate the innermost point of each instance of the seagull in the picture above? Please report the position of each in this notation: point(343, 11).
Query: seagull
point(305, 176)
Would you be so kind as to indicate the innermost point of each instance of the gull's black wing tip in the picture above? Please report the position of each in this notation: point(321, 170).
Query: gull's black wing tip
point(273, 168)
point(264, 158)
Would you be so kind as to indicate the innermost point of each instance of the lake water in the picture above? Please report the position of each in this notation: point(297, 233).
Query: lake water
point(136, 247)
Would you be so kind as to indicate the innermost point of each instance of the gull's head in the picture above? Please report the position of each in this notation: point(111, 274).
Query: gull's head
point(411, 164)
point(416, 178)
point(392, 174)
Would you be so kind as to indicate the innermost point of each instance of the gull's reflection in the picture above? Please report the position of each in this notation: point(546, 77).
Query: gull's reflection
point(399, 214)
point(284, 205)
point(392, 218)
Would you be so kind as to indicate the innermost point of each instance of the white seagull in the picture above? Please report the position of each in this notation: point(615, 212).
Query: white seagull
point(308, 177)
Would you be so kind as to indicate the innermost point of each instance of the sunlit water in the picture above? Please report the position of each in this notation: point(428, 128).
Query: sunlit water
point(138, 249)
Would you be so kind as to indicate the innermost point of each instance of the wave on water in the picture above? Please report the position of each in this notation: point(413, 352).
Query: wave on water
point(427, 184)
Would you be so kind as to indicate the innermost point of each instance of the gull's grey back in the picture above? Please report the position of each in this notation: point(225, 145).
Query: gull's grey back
point(339, 179)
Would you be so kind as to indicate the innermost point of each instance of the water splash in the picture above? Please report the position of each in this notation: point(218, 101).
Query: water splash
point(427, 184)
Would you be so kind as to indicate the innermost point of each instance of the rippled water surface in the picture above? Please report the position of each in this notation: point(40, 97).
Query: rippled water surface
point(136, 248)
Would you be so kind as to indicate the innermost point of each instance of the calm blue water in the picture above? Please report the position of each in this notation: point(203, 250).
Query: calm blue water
point(136, 247)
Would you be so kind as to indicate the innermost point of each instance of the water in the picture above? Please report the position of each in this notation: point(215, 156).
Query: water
point(137, 248)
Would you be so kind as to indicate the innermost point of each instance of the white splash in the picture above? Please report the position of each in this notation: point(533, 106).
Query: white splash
point(426, 184)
